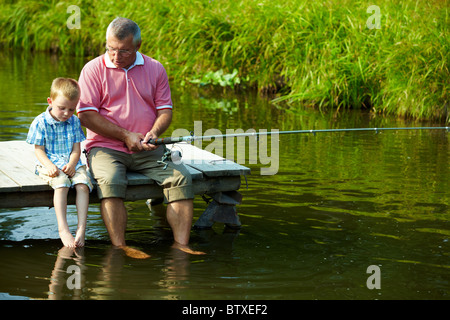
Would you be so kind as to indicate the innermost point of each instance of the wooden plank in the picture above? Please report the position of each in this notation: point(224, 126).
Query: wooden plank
point(217, 184)
point(210, 164)
point(6, 184)
point(195, 174)
point(21, 152)
point(17, 161)
point(21, 175)
point(219, 168)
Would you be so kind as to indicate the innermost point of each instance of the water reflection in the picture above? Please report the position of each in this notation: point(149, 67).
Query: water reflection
point(66, 258)
point(115, 276)
point(176, 274)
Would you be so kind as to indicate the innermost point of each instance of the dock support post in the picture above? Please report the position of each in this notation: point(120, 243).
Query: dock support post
point(221, 208)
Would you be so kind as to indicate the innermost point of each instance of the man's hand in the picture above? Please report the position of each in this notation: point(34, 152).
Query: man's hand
point(133, 141)
point(102, 126)
point(149, 146)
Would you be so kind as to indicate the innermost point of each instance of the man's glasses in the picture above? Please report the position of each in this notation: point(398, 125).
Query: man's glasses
point(123, 53)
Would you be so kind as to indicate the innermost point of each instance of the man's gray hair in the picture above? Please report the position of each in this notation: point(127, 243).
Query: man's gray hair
point(122, 28)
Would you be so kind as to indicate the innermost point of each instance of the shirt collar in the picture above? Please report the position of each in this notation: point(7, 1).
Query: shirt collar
point(138, 62)
point(51, 120)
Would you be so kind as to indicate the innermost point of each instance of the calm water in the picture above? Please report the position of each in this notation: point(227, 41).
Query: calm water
point(338, 204)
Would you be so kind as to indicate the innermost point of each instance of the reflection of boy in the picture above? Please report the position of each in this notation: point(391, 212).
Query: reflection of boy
point(56, 134)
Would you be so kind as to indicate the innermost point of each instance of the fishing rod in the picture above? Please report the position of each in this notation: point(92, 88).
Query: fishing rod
point(192, 137)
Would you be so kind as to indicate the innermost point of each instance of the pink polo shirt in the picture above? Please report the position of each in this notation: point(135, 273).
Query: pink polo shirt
point(130, 98)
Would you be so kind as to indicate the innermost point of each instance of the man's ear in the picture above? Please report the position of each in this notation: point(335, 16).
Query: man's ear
point(49, 101)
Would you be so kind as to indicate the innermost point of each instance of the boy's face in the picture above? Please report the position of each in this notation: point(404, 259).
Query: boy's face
point(62, 108)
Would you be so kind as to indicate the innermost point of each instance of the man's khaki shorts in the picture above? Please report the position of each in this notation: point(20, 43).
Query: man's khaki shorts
point(63, 180)
point(109, 167)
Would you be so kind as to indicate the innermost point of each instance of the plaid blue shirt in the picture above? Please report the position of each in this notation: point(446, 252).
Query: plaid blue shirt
point(57, 137)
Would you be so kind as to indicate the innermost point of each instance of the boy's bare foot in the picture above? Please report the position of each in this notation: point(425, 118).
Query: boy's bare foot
point(134, 253)
point(67, 238)
point(186, 249)
point(79, 239)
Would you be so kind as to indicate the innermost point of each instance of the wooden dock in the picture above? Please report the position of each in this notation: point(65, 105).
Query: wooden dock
point(212, 175)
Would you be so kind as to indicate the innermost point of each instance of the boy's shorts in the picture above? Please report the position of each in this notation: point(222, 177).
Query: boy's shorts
point(63, 180)
point(109, 167)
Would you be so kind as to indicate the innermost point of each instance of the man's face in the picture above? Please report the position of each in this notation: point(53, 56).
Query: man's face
point(121, 52)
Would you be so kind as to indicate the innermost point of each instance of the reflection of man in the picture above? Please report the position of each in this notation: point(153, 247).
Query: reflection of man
point(125, 101)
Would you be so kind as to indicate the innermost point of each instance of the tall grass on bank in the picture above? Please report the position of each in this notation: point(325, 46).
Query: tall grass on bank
point(317, 53)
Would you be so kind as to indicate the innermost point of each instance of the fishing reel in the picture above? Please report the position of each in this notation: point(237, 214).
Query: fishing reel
point(170, 156)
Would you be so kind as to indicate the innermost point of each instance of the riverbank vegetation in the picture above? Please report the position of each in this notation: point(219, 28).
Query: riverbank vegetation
point(323, 54)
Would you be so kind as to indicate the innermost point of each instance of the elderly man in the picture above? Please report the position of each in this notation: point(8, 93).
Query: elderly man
point(125, 101)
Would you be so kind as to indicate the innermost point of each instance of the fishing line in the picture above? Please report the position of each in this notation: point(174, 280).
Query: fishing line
point(192, 137)
point(175, 155)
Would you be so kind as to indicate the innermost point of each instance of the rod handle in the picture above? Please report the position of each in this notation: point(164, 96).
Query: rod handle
point(160, 141)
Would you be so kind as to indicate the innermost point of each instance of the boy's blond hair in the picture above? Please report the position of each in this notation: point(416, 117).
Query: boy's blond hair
point(65, 86)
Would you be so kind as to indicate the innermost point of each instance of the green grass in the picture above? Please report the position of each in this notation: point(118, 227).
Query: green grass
point(314, 53)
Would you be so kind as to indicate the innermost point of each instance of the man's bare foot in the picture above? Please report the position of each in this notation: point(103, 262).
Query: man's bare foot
point(134, 253)
point(67, 238)
point(186, 249)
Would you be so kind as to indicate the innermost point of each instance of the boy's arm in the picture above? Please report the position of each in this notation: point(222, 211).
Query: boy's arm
point(53, 170)
point(69, 168)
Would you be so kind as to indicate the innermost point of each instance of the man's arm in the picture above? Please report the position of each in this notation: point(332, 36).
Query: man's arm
point(161, 124)
point(97, 123)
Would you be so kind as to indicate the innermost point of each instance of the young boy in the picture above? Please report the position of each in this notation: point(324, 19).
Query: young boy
point(56, 135)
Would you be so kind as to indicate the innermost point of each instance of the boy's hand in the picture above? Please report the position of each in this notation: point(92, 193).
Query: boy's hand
point(53, 171)
point(69, 170)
